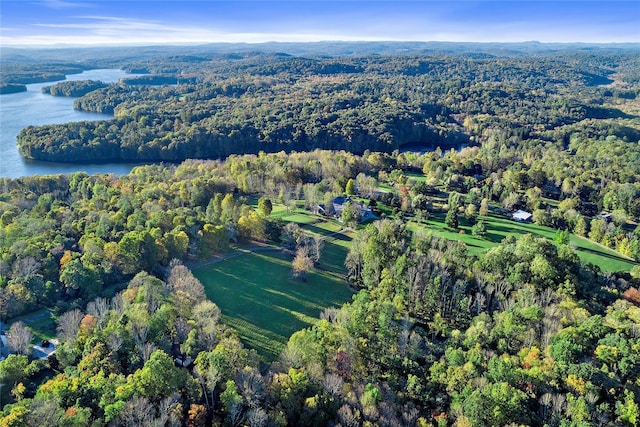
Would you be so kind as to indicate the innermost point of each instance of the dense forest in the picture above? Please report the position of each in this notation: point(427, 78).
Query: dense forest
point(12, 88)
point(455, 318)
point(75, 88)
point(270, 102)
point(24, 73)
point(436, 338)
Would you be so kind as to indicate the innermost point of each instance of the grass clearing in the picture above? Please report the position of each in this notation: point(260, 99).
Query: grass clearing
point(43, 329)
point(500, 227)
point(416, 176)
point(321, 228)
point(259, 298)
point(300, 218)
point(277, 210)
point(41, 323)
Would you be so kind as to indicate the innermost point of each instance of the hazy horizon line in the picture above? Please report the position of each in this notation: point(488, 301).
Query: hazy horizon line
point(321, 41)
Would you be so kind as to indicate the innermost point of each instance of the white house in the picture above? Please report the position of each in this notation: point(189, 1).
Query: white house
point(521, 216)
point(604, 215)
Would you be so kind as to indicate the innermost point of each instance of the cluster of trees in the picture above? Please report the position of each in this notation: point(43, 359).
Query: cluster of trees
point(191, 124)
point(517, 336)
point(66, 238)
point(25, 72)
point(6, 88)
point(118, 360)
point(106, 99)
point(74, 88)
point(307, 249)
point(565, 188)
point(525, 334)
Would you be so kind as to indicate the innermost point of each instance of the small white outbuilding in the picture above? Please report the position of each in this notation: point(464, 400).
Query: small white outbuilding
point(522, 216)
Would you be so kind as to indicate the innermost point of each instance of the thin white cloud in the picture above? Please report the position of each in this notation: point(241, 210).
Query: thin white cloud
point(102, 30)
point(92, 23)
point(61, 4)
point(111, 30)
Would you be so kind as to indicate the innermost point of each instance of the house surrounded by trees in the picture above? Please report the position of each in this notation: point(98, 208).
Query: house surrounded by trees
point(338, 205)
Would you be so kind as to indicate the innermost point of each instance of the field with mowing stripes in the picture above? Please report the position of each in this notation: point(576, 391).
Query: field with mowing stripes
point(499, 227)
point(259, 298)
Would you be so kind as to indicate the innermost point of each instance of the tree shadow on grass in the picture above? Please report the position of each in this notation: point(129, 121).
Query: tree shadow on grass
point(306, 290)
point(332, 258)
point(519, 229)
point(474, 245)
point(315, 229)
point(341, 237)
point(493, 237)
point(604, 254)
point(273, 256)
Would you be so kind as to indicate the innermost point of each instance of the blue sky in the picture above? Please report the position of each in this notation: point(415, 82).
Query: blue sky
point(109, 22)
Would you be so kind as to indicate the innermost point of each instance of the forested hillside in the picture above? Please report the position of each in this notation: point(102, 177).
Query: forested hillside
point(73, 88)
point(268, 102)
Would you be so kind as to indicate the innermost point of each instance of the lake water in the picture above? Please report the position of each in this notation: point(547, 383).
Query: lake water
point(19, 110)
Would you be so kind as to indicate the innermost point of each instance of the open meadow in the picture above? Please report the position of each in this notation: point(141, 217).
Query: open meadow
point(499, 227)
point(260, 299)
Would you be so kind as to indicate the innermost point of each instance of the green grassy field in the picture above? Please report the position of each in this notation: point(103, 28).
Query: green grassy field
point(43, 329)
point(41, 324)
point(499, 227)
point(299, 217)
point(259, 298)
point(416, 176)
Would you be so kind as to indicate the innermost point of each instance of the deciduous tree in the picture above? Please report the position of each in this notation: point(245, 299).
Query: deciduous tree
point(19, 338)
point(265, 206)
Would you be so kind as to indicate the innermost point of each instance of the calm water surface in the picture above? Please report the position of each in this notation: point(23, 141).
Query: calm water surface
point(19, 110)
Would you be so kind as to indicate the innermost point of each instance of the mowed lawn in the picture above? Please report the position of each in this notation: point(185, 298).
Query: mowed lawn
point(41, 323)
point(499, 227)
point(259, 298)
